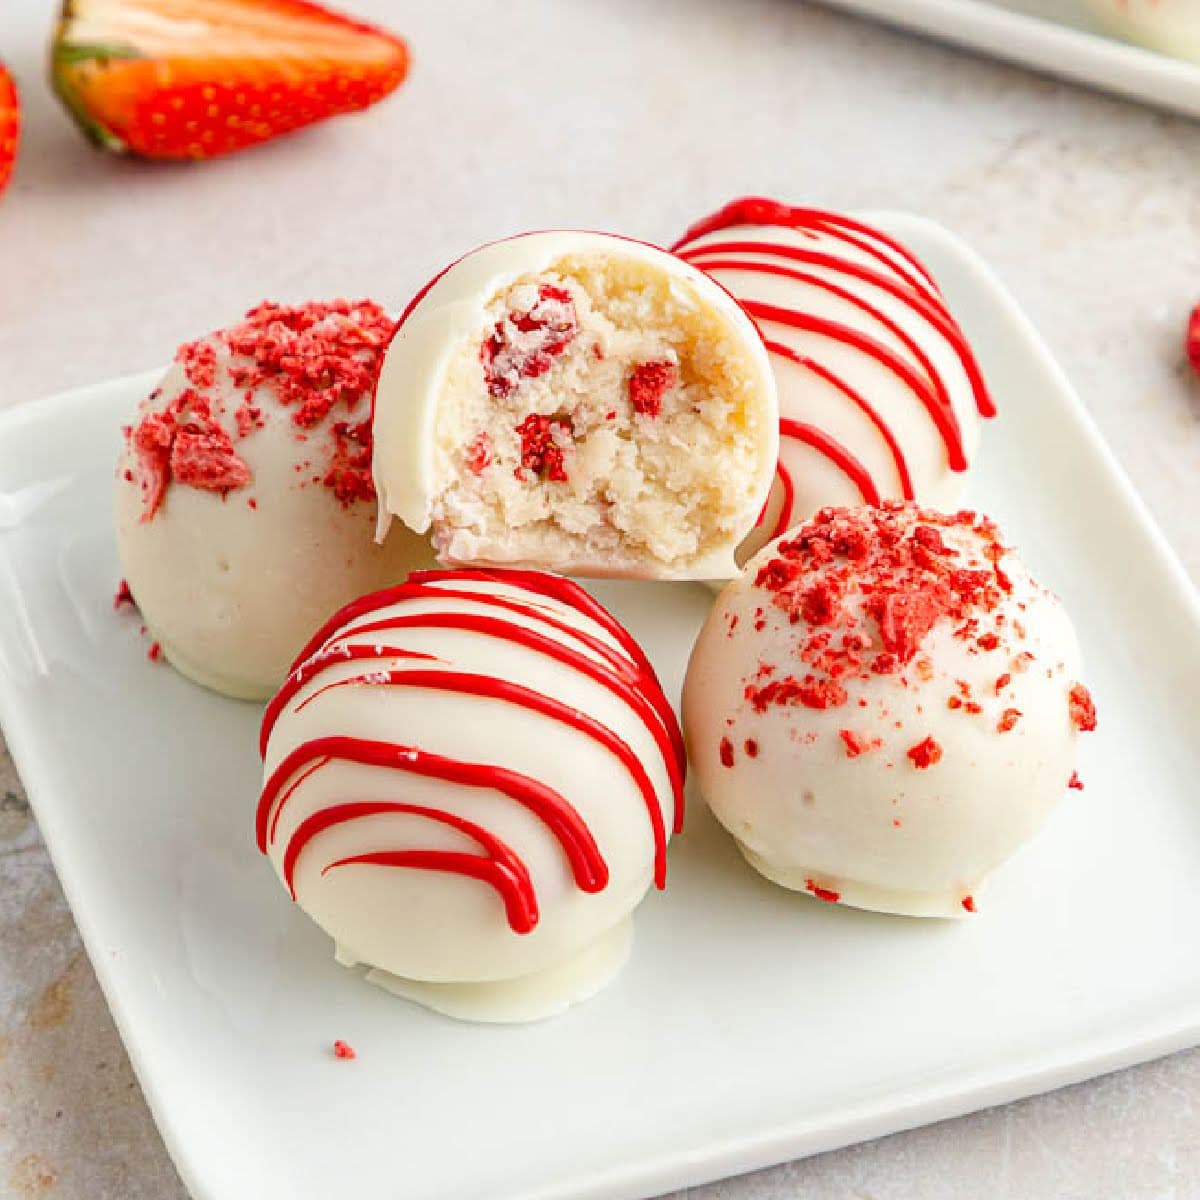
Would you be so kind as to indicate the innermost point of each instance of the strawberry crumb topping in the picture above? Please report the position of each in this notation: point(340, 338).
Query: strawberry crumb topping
point(855, 743)
point(925, 753)
point(349, 473)
point(155, 652)
point(1075, 782)
point(184, 443)
point(528, 338)
point(968, 902)
point(822, 893)
point(868, 585)
point(751, 748)
point(199, 362)
point(315, 358)
point(344, 1050)
point(123, 597)
point(726, 751)
point(1192, 338)
point(648, 383)
point(1008, 719)
point(1082, 708)
point(542, 447)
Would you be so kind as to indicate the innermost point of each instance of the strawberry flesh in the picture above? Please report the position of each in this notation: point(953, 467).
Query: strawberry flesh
point(10, 126)
point(191, 79)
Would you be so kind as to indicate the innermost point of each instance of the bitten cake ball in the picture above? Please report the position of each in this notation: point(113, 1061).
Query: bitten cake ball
point(884, 706)
point(879, 392)
point(579, 402)
point(471, 780)
point(245, 509)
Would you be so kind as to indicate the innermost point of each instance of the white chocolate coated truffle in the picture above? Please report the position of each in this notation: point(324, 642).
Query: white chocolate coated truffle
point(245, 512)
point(1168, 26)
point(579, 402)
point(883, 707)
point(879, 393)
point(470, 782)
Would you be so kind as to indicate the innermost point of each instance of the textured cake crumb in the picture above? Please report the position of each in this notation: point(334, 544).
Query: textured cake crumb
point(601, 415)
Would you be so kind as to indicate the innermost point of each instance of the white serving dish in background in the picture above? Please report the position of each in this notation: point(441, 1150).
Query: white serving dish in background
point(1059, 37)
point(752, 1025)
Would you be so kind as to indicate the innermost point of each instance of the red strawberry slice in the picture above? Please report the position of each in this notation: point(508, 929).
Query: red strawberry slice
point(171, 79)
point(10, 125)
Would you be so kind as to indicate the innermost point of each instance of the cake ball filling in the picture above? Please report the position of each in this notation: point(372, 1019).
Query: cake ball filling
point(600, 413)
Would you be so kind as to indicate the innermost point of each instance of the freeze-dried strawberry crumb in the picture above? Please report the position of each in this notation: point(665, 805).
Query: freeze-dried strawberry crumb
point(751, 748)
point(968, 902)
point(822, 893)
point(525, 341)
point(726, 751)
point(349, 473)
point(199, 362)
point(868, 586)
point(343, 1050)
point(1008, 719)
point(123, 597)
point(249, 418)
point(1075, 782)
point(208, 461)
point(542, 450)
point(1082, 708)
point(855, 743)
point(314, 356)
point(925, 753)
point(155, 652)
point(649, 383)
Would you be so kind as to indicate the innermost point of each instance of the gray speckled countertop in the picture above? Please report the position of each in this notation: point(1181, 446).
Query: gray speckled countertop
point(638, 117)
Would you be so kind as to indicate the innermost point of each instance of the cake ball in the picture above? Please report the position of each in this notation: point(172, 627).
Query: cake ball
point(578, 402)
point(245, 509)
point(470, 783)
point(884, 706)
point(1168, 26)
point(879, 393)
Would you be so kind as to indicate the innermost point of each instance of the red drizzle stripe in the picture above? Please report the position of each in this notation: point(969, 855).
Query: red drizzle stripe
point(419, 586)
point(783, 520)
point(449, 861)
point(588, 867)
point(759, 210)
point(833, 450)
point(556, 588)
point(941, 414)
point(501, 868)
point(622, 687)
point(815, 281)
point(860, 402)
point(931, 309)
point(485, 686)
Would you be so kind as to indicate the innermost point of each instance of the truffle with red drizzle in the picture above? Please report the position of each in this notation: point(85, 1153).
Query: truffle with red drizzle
point(880, 394)
point(913, 700)
point(244, 500)
point(470, 782)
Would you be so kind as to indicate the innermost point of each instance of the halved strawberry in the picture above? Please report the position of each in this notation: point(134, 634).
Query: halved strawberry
point(10, 125)
point(198, 78)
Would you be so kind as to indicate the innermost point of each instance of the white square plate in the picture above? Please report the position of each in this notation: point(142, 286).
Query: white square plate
point(1059, 37)
point(752, 1025)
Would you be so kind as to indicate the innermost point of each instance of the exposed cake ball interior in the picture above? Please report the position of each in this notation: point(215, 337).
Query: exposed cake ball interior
point(884, 707)
point(245, 505)
point(611, 413)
